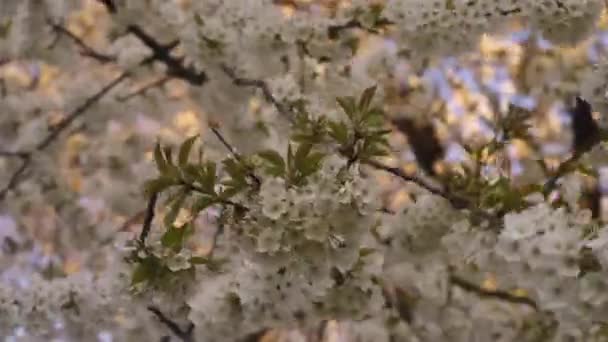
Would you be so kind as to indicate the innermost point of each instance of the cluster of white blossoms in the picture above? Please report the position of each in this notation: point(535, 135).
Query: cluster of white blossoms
point(308, 247)
point(296, 254)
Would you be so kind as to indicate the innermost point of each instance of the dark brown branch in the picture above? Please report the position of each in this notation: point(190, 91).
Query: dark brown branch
point(282, 108)
point(456, 201)
point(148, 217)
point(63, 124)
point(183, 334)
point(86, 49)
point(15, 179)
point(495, 294)
point(234, 153)
point(162, 53)
point(154, 84)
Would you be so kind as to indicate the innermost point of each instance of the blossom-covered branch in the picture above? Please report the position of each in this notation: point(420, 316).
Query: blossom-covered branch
point(56, 131)
point(86, 49)
point(282, 108)
point(162, 53)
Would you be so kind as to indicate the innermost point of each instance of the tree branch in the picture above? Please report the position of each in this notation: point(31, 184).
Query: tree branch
point(495, 294)
point(183, 334)
point(86, 50)
point(148, 217)
point(260, 84)
point(154, 84)
point(456, 201)
point(234, 153)
point(26, 157)
point(63, 124)
point(162, 53)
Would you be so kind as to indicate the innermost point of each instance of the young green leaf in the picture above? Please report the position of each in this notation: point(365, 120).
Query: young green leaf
point(146, 270)
point(184, 150)
point(199, 260)
point(208, 177)
point(175, 207)
point(348, 105)
point(339, 131)
point(158, 185)
point(159, 158)
point(202, 203)
point(168, 155)
point(276, 164)
point(366, 98)
point(302, 153)
point(174, 237)
point(312, 164)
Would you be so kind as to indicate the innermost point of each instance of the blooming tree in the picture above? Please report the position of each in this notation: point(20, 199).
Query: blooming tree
point(398, 170)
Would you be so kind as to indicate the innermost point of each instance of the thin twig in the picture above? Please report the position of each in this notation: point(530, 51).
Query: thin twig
point(132, 220)
point(263, 86)
point(495, 294)
point(26, 157)
point(63, 124)
point(183, 334)
point(234, 153)
point(561, 171)
point(148, 217)
point(86, 49)
point(154, 84)
point(162, 53)
point(456, 201)
point(15, 178)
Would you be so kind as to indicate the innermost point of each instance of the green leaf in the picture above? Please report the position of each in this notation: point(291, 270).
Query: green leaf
point(312, 164)
point(276, 163)
point(190, 172)
point(159, 158)
point(146, 270)
point(348, 105)
point(198, 260)
point(184, 150)
point(168, 155)
point(234, 169)
point(366, 98)
point(339, 131)
point(208, 177)
point(175, 207)
point(290, 166)
point(373, 118)
point(301, 155)
point(174, 237)
point(202, 203)
point(365, 251)
point(140, 274)
point(158, 185)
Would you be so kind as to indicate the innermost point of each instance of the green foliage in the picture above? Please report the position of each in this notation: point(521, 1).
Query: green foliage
point(366, 138)
point(175, 237)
